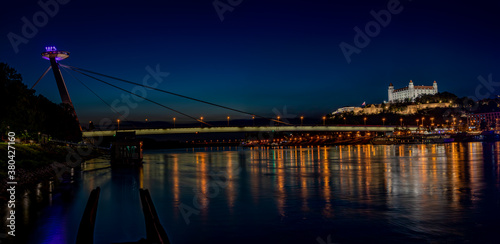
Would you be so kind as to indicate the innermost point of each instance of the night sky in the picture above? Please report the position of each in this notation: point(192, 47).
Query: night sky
point(263, 56)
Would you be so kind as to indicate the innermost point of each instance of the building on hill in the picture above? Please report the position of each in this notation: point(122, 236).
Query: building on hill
point(491, 119)
point(402, 110)
point(348, 109)
point(410, 92)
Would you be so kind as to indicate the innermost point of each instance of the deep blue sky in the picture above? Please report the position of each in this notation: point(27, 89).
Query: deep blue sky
point(265, 54)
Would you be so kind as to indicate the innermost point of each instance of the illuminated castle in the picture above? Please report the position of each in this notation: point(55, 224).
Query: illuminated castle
point(410, 92)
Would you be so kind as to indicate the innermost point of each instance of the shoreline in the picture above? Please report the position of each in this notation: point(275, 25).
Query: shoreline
point(35, 163)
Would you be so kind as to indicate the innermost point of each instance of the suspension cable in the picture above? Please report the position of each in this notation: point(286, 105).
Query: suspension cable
point(176, 94)
point(43, 75)
point(149, 100)
point(111, 107)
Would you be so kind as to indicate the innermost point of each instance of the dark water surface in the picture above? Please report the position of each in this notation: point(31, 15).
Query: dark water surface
point(441, 193)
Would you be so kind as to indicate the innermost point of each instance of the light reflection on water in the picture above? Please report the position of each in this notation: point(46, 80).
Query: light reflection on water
point(403, 193)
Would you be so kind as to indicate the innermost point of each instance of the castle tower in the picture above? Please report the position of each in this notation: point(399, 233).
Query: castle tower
point(411, 91)
point(435, 86)
point(390, 91)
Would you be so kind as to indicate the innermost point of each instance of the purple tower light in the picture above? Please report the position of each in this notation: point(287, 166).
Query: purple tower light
point(53, 55)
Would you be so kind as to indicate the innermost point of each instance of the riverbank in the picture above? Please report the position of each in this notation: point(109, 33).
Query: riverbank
point(34, 162)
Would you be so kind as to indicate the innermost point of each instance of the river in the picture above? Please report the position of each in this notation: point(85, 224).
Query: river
point(342, 194)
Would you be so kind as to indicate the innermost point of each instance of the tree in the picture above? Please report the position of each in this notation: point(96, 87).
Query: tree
point(22, 110)
point(441, 97)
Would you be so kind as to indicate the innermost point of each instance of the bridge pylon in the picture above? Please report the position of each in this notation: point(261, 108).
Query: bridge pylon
point(53, 55)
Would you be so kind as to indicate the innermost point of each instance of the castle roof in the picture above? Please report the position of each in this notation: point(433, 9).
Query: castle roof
point(401, 89)
point(424, 87)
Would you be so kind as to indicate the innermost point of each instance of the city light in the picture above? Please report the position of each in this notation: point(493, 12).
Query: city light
point(275, 182)
point(50, 49)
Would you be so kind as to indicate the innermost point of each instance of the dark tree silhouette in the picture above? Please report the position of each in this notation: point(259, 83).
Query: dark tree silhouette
point(22, 111)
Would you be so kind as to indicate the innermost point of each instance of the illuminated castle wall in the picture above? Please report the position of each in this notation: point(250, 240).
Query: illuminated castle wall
point(410, 92)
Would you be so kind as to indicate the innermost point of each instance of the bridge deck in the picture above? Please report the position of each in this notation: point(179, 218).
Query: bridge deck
point(244, 129)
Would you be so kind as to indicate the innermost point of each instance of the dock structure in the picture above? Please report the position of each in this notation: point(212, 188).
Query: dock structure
point(154, 230)
point(87, 224)
point(155, 233)
point(126, 150)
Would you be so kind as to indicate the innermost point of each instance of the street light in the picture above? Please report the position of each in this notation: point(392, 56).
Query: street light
point(324, 119)
point(364, 120)
point(432, 121)
point(423, 118)
point(345, 123)
point(227, 120)
point(201, 120)
point(417, 123)
point(447, 123)
point(118, 120)
point(301, 120)
point(278, 119)
point(383, 121)
point(401, 121)
point(253, 120)
point(174, 122)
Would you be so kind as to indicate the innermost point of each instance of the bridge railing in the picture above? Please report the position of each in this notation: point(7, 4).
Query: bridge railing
point(239, 129)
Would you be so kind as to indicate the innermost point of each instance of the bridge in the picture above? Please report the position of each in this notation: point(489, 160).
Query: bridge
point(248, 129)
point(277, 125)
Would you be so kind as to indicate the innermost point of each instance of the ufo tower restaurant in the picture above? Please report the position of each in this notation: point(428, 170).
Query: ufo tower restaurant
point(53, 55)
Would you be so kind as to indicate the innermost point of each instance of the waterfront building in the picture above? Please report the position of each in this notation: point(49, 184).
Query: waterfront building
point(491, 119)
